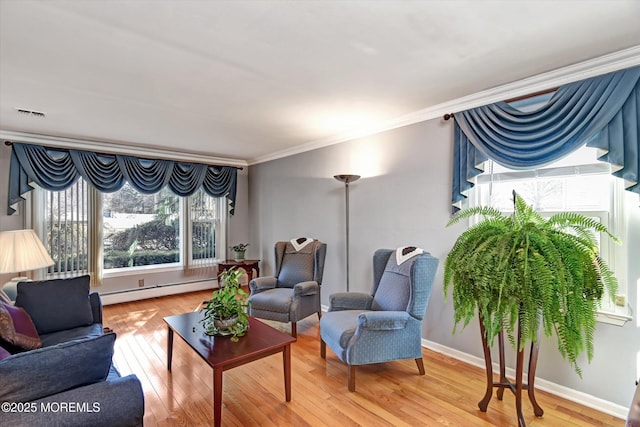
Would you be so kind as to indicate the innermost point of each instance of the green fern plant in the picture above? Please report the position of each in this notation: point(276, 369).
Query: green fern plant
point(543, 272)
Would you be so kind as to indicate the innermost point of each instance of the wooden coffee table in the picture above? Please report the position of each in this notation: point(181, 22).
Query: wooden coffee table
point(221, 353)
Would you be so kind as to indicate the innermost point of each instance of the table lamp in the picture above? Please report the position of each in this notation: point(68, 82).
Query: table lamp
point(21, 251)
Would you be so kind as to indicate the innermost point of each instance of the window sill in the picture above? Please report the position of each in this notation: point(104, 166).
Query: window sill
point(115, 272)
point(149, 269)
point(618, 317)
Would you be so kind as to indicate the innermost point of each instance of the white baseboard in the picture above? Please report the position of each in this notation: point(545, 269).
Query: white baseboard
point(541, 384)
point(157, 291)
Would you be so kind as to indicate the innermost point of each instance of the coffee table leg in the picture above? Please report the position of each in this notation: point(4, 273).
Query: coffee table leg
point(286, 358)
point(217, 397)
point(169, 348)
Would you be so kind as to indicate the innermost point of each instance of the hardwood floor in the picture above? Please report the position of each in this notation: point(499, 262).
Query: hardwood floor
point(389, 394)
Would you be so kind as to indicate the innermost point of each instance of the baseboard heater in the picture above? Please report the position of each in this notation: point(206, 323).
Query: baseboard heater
point(136, 294)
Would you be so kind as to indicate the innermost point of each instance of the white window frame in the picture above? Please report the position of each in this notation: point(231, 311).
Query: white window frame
point(614, 219)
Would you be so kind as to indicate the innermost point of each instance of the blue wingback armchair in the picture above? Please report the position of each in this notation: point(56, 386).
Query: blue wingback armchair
point(293, 293)
point(385, 325)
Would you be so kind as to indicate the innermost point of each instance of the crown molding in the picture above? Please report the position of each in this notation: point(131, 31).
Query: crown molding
point(583, 70)
point(115, 148)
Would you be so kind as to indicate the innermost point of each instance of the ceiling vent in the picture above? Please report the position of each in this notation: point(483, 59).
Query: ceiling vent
point(31, 113)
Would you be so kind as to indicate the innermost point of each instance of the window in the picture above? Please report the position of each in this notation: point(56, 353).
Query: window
point(134, 231)
point(140, 229)
point(577, 183)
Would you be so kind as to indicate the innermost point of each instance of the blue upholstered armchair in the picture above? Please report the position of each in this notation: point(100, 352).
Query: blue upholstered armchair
point(385, 325)
point(293, 293)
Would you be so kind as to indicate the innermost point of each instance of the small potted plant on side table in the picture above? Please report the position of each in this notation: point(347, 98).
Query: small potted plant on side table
point(226, 312)
point(239, 250)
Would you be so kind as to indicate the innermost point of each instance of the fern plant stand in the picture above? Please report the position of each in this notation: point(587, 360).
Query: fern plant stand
point(504, 382)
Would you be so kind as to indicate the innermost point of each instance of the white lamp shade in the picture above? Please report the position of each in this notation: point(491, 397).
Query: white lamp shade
point(22, 250)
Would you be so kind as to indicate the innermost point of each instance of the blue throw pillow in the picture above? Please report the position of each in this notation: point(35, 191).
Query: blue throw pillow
point(49, 370)
point(56, 305)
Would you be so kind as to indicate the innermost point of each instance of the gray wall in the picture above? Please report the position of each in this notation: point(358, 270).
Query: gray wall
point(403, 198)
point(238, 228)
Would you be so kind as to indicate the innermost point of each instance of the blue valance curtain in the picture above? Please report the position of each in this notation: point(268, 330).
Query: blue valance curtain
point(602, 112)
point(56, 170)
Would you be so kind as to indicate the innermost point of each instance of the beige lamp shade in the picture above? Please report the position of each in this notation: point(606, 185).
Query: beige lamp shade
point(22, 250)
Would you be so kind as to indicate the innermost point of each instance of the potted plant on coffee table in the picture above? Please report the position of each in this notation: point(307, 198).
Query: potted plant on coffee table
point(226, 312)
point(523, 274)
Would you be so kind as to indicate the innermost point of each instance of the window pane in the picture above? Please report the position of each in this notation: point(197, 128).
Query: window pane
point(589, 192)
point(573, 193)
point(66, 225)
point(140, 229)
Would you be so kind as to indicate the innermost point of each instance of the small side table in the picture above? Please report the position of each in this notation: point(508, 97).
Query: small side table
point(247, 265)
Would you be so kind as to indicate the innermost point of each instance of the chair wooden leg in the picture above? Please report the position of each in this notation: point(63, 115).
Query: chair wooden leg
point(323, 349)
point(294, 330)
point(320, 315)
point(351, 377)
point(420, 365)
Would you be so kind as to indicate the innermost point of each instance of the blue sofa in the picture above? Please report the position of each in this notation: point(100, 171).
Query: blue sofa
point(71, 380)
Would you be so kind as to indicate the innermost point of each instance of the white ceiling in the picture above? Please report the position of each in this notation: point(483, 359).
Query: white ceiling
point(251, 79)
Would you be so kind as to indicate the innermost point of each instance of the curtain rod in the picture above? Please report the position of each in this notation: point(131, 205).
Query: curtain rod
point(448, 116)
point(66, 150)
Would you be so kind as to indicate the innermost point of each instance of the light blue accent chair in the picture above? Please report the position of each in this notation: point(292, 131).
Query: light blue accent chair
point(385, 325)
point(293, 293)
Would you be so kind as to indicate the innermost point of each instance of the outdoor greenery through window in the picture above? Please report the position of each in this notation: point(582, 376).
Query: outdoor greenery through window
point(138, 230)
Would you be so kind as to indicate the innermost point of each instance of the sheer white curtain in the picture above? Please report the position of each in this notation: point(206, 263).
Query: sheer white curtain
point(69, 224)
point(204, 234)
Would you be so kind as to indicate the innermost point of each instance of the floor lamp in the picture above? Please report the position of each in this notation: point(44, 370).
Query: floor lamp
point(347, 179)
